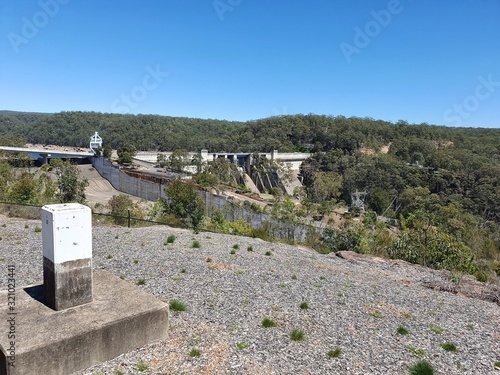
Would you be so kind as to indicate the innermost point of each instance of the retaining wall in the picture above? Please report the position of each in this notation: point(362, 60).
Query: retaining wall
point(153, 190)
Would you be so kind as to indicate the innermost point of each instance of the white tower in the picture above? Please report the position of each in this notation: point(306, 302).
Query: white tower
point(95, 142)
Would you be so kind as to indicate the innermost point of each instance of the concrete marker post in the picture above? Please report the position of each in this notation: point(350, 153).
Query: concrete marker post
point(67, 255)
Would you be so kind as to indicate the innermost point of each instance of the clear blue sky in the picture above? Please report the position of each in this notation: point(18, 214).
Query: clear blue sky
point(420, 61)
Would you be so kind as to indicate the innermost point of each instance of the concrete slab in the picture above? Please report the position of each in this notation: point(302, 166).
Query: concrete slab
point(120, 318)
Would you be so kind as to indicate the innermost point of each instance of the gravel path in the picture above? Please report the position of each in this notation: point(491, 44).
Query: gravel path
point(354, 305)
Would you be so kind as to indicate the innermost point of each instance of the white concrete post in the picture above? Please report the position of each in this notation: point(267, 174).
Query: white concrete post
point(67, 255)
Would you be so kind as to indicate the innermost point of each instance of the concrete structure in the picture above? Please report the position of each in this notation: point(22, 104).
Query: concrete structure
point(120, 318)
point(67, 255)
point(242, 159)
point(76, 318)
point(45, 155)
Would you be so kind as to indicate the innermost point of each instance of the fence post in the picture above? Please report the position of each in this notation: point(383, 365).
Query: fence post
point(128, 218)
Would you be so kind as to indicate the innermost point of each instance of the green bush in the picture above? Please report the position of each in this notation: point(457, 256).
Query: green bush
point(196, 245)
point(304, 306)
point(171, 239)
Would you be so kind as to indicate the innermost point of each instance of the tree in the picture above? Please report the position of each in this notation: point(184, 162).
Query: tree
point(120, 205)
point(126, 153)
point(6, 176)
point(106, 153)
point(24, 190)
point(185, 202)
point(178, 160)
point(71, 187)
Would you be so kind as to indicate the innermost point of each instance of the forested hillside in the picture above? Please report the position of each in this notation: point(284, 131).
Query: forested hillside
point(440, 184)
point(145, 132)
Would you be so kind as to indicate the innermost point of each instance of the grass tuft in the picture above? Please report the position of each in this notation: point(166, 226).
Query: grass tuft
point(402, 330)
point(335, 353)
point(141, 282)
point(195, 352)
point(304, 306)
point(415, 351)
point(449, 347)
point(141, 366)
point(421, 368)
point(176, 305)
point(268, 323)
point(436, 329)
point(297, 335)
point(242, 345)
point(196, 244)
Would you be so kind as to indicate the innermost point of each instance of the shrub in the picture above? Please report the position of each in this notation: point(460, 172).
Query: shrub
point(176, 305)
point(421, 368)
point(304, 306)
point(236, 246)
point(250, 248)
point(335, 353)
point(141, 282)
point(38, 229)
point(268, 323)
point(233, 252)
point(196, 245)
point(171, 239)
point(268, 253)
point(297, 335)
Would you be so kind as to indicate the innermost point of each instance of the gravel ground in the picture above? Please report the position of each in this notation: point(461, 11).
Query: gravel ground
point(354, 305)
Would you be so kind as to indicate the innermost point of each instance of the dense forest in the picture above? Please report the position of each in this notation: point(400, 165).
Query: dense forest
point(440, 183)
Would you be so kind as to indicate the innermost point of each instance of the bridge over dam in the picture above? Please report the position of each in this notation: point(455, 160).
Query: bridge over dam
point(44, 154)
point(242, 159)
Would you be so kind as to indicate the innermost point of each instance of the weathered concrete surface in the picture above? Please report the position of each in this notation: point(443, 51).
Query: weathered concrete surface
point(67, 284)
point(121, 318)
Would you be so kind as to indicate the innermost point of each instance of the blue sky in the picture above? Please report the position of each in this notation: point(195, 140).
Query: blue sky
point(414, 60)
